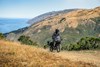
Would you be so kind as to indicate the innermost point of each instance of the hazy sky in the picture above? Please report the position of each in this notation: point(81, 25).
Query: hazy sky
point(32, 8)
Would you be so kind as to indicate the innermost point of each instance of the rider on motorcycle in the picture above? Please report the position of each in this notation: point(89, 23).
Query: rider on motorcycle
point(56, 37)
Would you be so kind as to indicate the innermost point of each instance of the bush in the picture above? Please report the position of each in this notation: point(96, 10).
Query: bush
point(86, 43)
point(2, 36)
point(26, 40)
point(62, 20)
point(70, 47)
point(76, 47)
point(64, 47)
point(45, 46)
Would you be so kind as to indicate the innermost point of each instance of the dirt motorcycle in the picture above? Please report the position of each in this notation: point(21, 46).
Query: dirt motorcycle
point(54, 46)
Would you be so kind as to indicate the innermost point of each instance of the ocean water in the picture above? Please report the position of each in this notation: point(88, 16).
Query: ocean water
point(7, 25)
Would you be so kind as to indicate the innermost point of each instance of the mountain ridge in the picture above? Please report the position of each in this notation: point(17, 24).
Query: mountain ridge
point(73, 26)
point(48, 15)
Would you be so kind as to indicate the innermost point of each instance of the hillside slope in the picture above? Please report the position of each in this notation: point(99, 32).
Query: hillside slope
point(17, 55)
point(72, 25)
point(48, 15)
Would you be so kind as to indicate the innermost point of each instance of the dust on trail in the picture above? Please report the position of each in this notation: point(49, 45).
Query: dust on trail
point(88, 56)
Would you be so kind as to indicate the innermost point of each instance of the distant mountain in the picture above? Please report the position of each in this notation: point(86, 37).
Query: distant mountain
point(73, 25)
point(21, 30)
point(48, 15)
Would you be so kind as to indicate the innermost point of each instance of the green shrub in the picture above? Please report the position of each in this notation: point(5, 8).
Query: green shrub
point(86, 43)
point(76, 47)
point(45, 46)
point(64, 48)
point(70, 47)
point(2, 36)
point(26, 40)
point(62, 20)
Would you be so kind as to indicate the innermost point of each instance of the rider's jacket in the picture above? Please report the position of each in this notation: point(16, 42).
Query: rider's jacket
point(56, 37)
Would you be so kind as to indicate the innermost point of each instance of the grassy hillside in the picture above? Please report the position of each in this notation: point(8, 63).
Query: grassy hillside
point(73, 26)
point(18, 55)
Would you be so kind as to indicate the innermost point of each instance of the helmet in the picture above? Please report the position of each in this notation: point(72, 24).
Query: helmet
point(57, 30)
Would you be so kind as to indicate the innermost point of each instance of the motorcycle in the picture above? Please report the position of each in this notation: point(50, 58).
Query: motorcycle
point(54, 46)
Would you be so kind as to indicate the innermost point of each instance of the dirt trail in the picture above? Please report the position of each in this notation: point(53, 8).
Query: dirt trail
point(84, 56)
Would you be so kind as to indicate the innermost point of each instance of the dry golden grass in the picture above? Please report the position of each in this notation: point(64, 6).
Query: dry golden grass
point(17, 55)
point(88, 56)
point(72, 19)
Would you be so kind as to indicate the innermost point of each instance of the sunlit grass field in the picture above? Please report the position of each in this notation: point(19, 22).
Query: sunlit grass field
point(13, 54)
